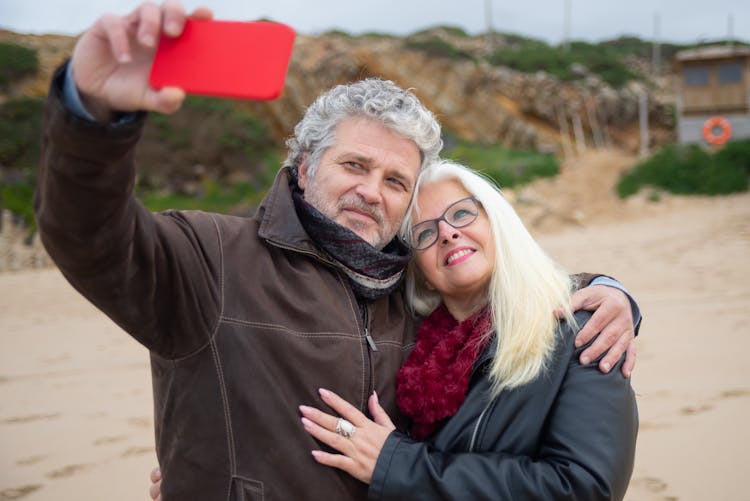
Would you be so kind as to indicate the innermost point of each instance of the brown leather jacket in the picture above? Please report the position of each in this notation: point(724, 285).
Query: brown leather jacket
point(244, 318)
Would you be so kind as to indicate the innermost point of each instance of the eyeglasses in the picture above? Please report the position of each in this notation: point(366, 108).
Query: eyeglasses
point(458, 214)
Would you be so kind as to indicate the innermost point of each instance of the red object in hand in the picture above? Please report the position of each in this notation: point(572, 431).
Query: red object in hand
point(245, 60)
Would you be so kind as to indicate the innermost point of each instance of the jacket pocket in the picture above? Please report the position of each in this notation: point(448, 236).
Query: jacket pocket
point(244, 489)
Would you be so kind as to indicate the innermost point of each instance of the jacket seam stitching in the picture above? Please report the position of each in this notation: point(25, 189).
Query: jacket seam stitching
point(280, 327)
point(215, 330)
point(221, 278)
point(217, 359)
point(286, 329)
point(225, 404)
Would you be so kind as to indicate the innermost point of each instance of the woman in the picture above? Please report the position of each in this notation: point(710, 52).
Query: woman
point(501, 407)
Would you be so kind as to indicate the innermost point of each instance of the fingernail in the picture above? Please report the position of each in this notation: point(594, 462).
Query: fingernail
point(627, 374)
point(306, 422)
point(606, 366)
point(124, 58)
point(585, 360)
point(303, 408)
point(172, 28)
point(578, 343)
point(147, 40)
point(316, 454)
point(323, 392)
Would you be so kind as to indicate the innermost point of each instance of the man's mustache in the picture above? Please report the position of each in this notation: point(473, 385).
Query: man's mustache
point(357, 203)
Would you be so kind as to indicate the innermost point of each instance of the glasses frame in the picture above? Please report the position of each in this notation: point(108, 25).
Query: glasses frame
point(436, 223)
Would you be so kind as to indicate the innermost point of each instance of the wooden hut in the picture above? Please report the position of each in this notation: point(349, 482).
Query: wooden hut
point(713, 94)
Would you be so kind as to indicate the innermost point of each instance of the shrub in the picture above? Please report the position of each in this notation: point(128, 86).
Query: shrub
point(18, 197)
point(437, 47)
point(690, 170)
point(535, 56)
point(505, 166)
point(20, 132)
point(736, 153)
point(16, 61)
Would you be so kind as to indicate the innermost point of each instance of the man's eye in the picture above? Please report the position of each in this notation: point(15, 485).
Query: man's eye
point(397, 182)
point(353, 165)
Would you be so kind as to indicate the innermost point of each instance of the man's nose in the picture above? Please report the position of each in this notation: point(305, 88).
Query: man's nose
point(369, 190)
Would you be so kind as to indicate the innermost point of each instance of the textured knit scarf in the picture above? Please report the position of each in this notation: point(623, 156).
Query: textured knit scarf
point(433, 382)
point(372, 273)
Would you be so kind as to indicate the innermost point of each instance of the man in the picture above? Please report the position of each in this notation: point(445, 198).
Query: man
point(246, 318)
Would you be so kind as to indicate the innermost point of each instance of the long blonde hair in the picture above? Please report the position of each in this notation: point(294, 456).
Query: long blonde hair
point(525, 289)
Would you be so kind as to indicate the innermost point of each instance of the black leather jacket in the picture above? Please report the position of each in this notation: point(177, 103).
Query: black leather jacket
point(569, 434)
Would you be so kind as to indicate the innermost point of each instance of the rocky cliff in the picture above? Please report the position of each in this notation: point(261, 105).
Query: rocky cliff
point(473, 99)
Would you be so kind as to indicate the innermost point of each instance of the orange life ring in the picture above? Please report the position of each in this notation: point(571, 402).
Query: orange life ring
point(723, 135)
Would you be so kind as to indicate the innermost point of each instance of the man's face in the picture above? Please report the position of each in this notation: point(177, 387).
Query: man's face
point(365, 180)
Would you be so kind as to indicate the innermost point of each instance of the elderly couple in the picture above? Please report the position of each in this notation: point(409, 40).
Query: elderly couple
point(287, 357)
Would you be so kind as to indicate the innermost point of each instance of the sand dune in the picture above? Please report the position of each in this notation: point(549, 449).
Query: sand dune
point(75, 392)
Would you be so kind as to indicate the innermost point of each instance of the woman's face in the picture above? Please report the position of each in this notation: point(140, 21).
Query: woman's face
point(459, 264)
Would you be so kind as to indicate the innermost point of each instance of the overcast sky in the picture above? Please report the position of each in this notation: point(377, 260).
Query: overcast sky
point(681, 21)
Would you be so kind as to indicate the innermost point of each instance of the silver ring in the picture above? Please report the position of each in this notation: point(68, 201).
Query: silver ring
point(345, 428)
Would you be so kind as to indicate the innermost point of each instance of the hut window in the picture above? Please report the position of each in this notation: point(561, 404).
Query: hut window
point(730, 73)
point(695, 76)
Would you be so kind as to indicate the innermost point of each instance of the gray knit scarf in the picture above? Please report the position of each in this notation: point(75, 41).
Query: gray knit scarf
point(372, 273)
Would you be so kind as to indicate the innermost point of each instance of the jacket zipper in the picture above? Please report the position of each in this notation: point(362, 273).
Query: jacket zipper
point(370, 383)
point(476, 426)
point(370, 348)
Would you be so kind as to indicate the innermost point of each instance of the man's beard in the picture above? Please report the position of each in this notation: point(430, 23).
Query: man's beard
point(352, 201)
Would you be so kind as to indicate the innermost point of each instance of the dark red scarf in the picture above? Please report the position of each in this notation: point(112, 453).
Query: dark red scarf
point(433, 382)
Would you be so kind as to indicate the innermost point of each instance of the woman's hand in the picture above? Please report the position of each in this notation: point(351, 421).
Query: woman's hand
point(360, 451)
point(155, 490)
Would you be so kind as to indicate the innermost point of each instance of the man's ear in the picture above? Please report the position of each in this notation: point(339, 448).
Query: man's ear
point(302, 178)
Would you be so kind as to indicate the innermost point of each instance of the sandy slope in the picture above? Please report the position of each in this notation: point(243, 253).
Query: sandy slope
point(75, 394)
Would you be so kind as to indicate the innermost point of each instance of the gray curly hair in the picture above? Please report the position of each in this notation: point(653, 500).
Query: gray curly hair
point(373, 98)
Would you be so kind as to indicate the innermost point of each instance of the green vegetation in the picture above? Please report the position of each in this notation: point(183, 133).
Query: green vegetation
point(16, 61)
point(20, 133)
point(214, 197)
point(691, 170)
point(450, 30)
point(437, 47)
point(506, 167)
point(18, 198)
point(535, 56)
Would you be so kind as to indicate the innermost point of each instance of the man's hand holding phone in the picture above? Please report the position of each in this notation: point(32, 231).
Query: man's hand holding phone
point(112, 62)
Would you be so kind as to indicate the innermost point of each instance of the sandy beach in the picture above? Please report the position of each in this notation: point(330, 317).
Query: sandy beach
point(75, 392)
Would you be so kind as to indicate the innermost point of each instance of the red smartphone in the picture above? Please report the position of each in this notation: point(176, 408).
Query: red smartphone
point(245, 60)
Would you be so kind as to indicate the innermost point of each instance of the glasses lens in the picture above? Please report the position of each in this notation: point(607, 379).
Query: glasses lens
point(462, 213)
point(458, 215)
point(424, 234)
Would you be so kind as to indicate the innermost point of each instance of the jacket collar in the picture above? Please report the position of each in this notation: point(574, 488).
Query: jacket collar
point(278, 219)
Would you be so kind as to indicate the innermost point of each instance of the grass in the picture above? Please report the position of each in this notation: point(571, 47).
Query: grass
point(507, 167)
point(215, 197)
